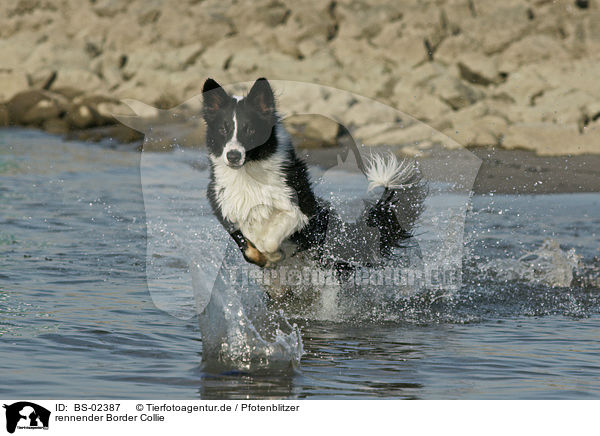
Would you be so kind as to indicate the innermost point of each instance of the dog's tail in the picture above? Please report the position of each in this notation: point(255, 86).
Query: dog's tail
point(386, 171)
point(402, 201)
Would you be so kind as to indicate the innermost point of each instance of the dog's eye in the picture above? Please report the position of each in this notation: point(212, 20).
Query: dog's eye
point(249, 130)
point(223, 130)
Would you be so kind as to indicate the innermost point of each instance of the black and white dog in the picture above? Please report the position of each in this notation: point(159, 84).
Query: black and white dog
point(261, 192)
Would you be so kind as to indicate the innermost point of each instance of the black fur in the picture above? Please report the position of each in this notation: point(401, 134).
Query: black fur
point(257, 120)
point(257, 132)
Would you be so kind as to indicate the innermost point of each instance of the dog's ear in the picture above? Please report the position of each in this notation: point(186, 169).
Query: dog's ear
point(261, 97)
point(215, 97)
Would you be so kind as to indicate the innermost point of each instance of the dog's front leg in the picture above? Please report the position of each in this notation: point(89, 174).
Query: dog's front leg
point(281, 225)
point(249, 250)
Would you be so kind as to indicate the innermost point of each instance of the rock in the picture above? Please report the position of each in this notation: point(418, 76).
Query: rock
point(564, 105)
point(118, 133)
point(141, 109)
point(454, 92)
point(12, 42)
point(366, 131)
point(481, 124)
point(86, 80)
point(591, 112)
point(366, 112)
point(361, 63)
point(62, 54)
point(280, 41)
point(412, 93)
point(498, 25)
point(312, 131)
point(34, 107)
point(21, 103)
point(316, 100)
point(124, 35)
point(107, 111)
point(485, 131)
point(211, 22)
point(68, 92)
point(364, 20)
point(492, 64)
point(108, 8)
point(110, 67)
point(592, 31)
point(413, 135)
point(583, 75)
point(194, 136)
point(148, 86)
point(161, 136)
point(56, 126)
point(454, 47)
point(532, 49)
point(421, 75)
point(306, 49)
point(267, 14)
point(219, 55)
point(273, 13)
point(104, 108)
point(312, 19)
point(81, 116)
point(407, 52)
point(419, 104)
point(43, 110)
point(548, 139)
point(473, 76)
point(479, 70)
point(11, 83)
point(390, 33)
point(4, 115)
point(147, 62)
point(524, 84)
point(149, 17)
point(249, 60)
point(42, 79)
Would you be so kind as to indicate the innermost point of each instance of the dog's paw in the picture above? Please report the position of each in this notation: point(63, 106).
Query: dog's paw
point(273, 258)
point(271, 245)
point(253, 255)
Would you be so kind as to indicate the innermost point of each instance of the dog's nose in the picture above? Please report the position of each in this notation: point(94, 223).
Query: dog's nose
point(234, 157)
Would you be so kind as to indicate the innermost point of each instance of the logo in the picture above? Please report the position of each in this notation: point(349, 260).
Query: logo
point(26, 415)
point(187, 247)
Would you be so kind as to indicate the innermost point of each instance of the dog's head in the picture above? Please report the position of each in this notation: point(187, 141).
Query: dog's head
point(239, 130)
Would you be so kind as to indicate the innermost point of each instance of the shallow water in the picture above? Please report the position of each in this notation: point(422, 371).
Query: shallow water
point(79, 318)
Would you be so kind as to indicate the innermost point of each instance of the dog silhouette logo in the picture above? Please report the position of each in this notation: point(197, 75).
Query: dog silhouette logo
point(26, 415)
point(186, 246)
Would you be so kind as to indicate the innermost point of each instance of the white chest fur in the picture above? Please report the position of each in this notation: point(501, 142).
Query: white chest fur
point(257, 200)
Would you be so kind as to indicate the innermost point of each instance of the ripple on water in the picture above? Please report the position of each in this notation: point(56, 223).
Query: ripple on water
point(78, 315)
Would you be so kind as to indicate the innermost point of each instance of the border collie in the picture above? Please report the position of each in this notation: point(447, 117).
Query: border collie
point(261, 193)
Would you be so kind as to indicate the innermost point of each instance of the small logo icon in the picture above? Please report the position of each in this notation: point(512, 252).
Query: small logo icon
point(26, 415)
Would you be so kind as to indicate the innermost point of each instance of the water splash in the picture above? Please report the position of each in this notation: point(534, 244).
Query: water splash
point(239, 331)
point(548, 265)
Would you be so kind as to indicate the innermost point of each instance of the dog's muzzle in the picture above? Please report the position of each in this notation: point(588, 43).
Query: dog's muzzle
point(234, 155)
point(234, 158)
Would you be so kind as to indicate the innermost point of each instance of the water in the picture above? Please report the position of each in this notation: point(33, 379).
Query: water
point(79, 316)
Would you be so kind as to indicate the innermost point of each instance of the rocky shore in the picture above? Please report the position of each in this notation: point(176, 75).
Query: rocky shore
point(518, 74)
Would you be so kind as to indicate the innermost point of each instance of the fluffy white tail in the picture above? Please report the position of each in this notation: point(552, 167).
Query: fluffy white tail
point(387, 171)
